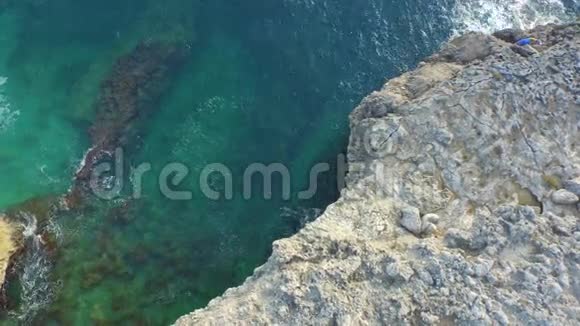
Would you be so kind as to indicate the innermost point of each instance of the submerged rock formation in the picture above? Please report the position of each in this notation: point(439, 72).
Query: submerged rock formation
point(133, 87)
point(461, 205)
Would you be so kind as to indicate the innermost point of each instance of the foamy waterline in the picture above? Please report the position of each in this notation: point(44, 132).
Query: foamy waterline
point(36, 289)
point(489, 16)
point(7, 116)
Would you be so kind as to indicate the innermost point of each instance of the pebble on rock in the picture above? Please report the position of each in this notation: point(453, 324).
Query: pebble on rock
point(431, 218)
point(411, 220)
point(564, 197)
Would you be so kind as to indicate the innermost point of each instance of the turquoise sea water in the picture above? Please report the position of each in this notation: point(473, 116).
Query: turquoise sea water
point(265, 82)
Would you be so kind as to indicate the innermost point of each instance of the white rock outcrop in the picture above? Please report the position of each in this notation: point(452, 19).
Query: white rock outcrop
point(450, 215)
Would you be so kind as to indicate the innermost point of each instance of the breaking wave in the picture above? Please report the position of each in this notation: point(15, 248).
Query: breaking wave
point(36, 289)
point(492, 15)
point(7, 116)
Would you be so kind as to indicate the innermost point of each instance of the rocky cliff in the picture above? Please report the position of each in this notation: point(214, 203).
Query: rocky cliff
point(462, 201)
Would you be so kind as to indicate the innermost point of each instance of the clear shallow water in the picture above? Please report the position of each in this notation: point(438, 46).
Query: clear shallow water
point(267, 81)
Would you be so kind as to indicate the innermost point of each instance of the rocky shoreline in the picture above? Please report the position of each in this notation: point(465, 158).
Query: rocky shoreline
point(462, 205)
point(11, 244)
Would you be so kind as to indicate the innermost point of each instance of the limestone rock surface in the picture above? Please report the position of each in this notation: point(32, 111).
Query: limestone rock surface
point(475, 140)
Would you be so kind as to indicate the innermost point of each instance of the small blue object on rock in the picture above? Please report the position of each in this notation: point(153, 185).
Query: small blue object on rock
point(526, 41)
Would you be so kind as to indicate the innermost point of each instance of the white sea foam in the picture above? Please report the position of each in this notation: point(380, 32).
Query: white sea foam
point(36, 288)
point(7, 115)
point(492, 15)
